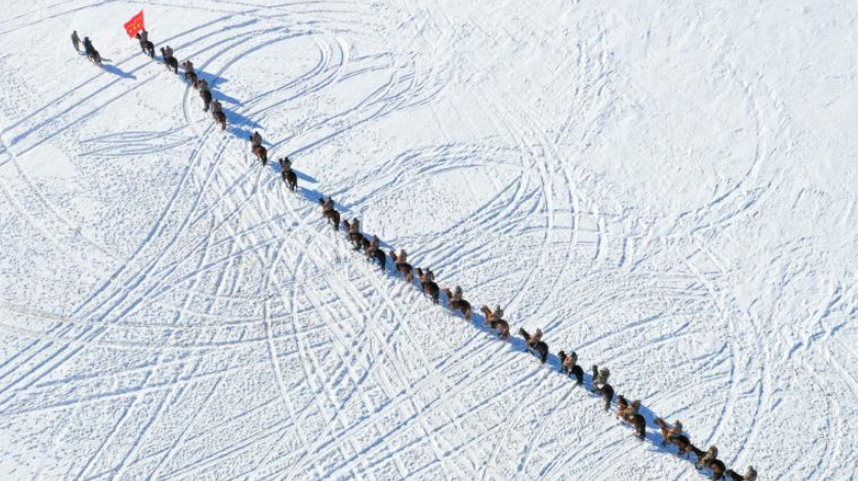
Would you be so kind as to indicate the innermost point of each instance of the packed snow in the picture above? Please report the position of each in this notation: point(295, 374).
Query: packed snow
point(668, 188)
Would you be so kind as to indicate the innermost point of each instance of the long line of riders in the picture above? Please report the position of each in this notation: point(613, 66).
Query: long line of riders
point(628, 412)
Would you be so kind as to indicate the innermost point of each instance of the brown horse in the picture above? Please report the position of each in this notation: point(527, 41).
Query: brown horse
point(750, 475)
point(379, 256)
point(500, 325)
point(429, 286)
point(403, 267)
point(261, 153)
point(639, 423)
point(332, 215)
point(356, 238)
point(192, 78)
point(718, 469)
point(220, 119)
point(462, 306)
point(540, 347)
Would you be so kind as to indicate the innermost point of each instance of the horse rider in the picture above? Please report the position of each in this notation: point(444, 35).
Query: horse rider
point(457, 294)
point(497, 314)
point(255, 140)
point(429, 275)
point(87, 46)
point(354, 227)
point(374, 244)
point(570, 361)
point(168, 52)
point(202, 85)
point(143, 35)
point(75, 40)
point(675, 431)
point(631, 410)
point(535, 338)
point(603, 375)
point(328, 205)
point(216, 107)
point(710, 455)
point(402, 258)
point(188, 66)
point(285, 164)
point(750, 474)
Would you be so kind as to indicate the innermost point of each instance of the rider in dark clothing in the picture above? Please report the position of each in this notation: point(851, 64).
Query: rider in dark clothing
point(75, 40)
point(87, 46)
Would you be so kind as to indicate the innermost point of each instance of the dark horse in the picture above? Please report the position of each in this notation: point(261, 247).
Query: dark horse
point(290, 178)
point(261, 153)
point(147, 47)
point(331, 214)
point(607, 393)
point(206, 95)
point(540, 347)
point(462, 306)
point(428, 286)
point(403, 267)
point(170, 62)
point(500, 325)
point(220, 119)
point(94, 57)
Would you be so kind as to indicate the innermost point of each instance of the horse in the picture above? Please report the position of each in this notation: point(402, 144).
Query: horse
point(622, 404)
point(540, 347)
point(750, 475)
point(575, 370)
point(261, 153)
point(206, 95)
point(148, 48)
point(379, 256)
point(429, 286)
point(220, 119)
point(94, 57)
point(718, 469)
point(403, 267)
point(170, 62)
point(290, 178)
point(191, 77)
point(356, 238)
point(607, 394)
point(462, 306)
point(499, 325)
point(331, 214)
point(639, 423)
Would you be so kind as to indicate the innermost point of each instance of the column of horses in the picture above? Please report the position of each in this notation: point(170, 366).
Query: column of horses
point(568, 363)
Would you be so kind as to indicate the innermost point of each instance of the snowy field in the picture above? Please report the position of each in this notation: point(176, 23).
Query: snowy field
point(666, 187)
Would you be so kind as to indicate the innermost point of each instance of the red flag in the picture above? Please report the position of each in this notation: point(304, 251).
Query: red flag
point(134, 25)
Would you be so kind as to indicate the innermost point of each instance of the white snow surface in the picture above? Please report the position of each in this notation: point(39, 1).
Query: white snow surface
point(667, 187)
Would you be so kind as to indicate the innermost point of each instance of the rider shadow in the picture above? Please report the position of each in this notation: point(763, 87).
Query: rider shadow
point(117, 71)
point(239, 125)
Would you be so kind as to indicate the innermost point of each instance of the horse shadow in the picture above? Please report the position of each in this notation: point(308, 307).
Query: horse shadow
point(239, 125)
point(117, 71)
